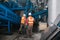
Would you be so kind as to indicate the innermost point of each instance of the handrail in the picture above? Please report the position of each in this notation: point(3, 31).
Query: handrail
point(13, 5)
point(9, 14)
point(39, 13)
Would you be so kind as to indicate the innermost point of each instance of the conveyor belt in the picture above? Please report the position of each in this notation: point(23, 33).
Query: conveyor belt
point(52, 33)
point(48, 32)
point(57, 36)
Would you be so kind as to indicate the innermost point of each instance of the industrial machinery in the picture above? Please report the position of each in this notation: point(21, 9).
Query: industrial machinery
point(39, 10)
point(8, 16)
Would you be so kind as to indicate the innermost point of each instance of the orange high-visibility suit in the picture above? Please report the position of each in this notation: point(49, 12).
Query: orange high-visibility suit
point(30, 25)
point(23, 19)
point(22, 26)
point(30, 21)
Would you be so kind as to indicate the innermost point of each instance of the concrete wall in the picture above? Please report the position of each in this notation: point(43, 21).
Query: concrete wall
point(53, 11)
point(58, 7)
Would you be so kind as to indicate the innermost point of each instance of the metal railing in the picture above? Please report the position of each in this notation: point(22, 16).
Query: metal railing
point(6, 14)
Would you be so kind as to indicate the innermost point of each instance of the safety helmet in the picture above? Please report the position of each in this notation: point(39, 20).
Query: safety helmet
point(24, 15)
point(46, 6)
point(29, 14)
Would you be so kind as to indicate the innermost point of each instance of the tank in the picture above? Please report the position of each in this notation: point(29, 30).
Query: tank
point(52, 11)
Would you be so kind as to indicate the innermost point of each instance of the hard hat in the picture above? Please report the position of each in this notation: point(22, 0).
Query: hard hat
point(46, 6)
point(29, 14)
point(24, 15)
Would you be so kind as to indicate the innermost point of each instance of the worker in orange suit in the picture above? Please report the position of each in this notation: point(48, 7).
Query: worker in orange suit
point(30, 25)
point(22, 27)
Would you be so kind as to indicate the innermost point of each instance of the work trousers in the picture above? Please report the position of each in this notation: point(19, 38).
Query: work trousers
point(29, 31)
point(22, 29)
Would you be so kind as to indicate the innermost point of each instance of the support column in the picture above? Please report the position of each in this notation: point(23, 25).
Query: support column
point(9, 25)
point(52, 12)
